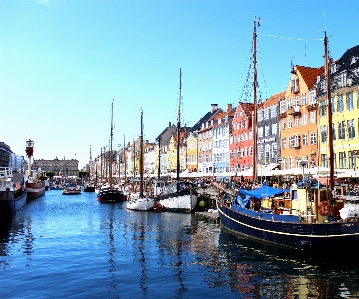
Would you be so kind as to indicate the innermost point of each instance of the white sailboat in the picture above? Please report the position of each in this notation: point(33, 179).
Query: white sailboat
point(138, 200)
point(180, 196)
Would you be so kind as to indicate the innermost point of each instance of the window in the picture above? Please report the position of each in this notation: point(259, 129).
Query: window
point(283, 124)
point(274, 129)
point(297, 160)
point(350, 102)
point(340, 103)
point(296, 140)
point(352, 161)
point(333, 131)
point(296, 101)
point(312, 97)
point(304, 119)
point(305, 139)
point(290, 105)
point(297, 121)
point(312, 117)
point(341, 130)
point(313, 138)
point(291, 141)
point(260, 151)
point(324, 160)
point(294, 85)
point(267, 152)
point(273, 112)
point(260, 115)
point(282, 106)
point(323, 108)
point(260, 132)
point(266, 131)
point(358, 99)
point(351, 130)
point(332, 104)
point(250, 150)
point(284, 142)
point(304, 99)
point(266, 113)
point(291, 163)
point(274, 150)
point(323, 130)
point(284, 163)
point(342, 160)
point(290, 122)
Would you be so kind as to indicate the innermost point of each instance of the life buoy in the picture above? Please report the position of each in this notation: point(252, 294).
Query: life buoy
point(324, 208)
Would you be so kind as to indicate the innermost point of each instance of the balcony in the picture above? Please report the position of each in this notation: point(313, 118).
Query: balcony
point(312, 107)
point(294, 111)
point(282, 115)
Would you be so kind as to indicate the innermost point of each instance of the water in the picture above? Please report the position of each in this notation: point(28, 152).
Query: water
point(74, 247)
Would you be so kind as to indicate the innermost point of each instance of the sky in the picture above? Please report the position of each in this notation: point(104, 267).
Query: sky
point(63, 61)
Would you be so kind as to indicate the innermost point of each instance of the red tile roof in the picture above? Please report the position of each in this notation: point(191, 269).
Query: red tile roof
point(272, 100)
point(309, 74)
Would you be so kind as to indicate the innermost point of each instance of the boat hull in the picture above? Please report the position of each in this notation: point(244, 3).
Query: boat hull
point(89, 189)
point(111, 195)
point(302, 236)
point(77, 192)
point(182, 201)
point(140, 204)
point(35, 190)
point(12, 201)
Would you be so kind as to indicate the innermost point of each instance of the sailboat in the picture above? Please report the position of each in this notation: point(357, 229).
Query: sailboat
point(138, 201)
point(108, 193)
point(311, 221)
point(180, 196)
point(89, 184)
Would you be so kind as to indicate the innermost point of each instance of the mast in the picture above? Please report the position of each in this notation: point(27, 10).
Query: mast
point(330, 119)
point(124, 157)
point(179, 127)
point(141, 156)
point(110, 166)
point(159, 158)
point(101, 169)
point(254, 120)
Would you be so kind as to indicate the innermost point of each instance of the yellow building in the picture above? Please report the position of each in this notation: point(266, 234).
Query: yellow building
point(192, 152)
point(345, 112)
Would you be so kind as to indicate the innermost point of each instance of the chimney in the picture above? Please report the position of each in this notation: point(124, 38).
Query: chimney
point(214, 107)
point(229, 107)
point(169, 124)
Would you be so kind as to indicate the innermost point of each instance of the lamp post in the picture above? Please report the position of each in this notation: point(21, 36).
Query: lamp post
point(29, 152)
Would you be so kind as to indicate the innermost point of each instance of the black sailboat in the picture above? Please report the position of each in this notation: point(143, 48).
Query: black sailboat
point(311, 222)
point(108, 192)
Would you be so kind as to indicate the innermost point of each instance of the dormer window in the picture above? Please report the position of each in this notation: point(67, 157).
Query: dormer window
point(333, 68)
point(294, 85)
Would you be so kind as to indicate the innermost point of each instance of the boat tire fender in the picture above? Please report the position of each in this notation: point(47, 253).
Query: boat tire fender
point(324, 208)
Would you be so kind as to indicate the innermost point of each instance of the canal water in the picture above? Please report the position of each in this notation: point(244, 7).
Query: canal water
point(75, 247)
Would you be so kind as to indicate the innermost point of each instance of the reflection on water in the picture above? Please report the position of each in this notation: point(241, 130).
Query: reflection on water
point(76, 247)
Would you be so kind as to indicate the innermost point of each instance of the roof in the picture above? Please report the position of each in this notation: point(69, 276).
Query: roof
point(246, 107)
point(272, 100)
point(346, 61)
point(309, 74)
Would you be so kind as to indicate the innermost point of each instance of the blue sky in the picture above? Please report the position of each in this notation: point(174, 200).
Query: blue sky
point(62, 62)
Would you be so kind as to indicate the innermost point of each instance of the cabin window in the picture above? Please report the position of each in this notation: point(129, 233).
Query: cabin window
point(350, 102)
point(294, 194)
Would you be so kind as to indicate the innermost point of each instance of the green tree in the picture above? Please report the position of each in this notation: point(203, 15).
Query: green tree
point(50, 174)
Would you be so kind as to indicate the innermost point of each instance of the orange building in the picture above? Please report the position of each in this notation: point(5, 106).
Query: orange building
point(298, 118)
